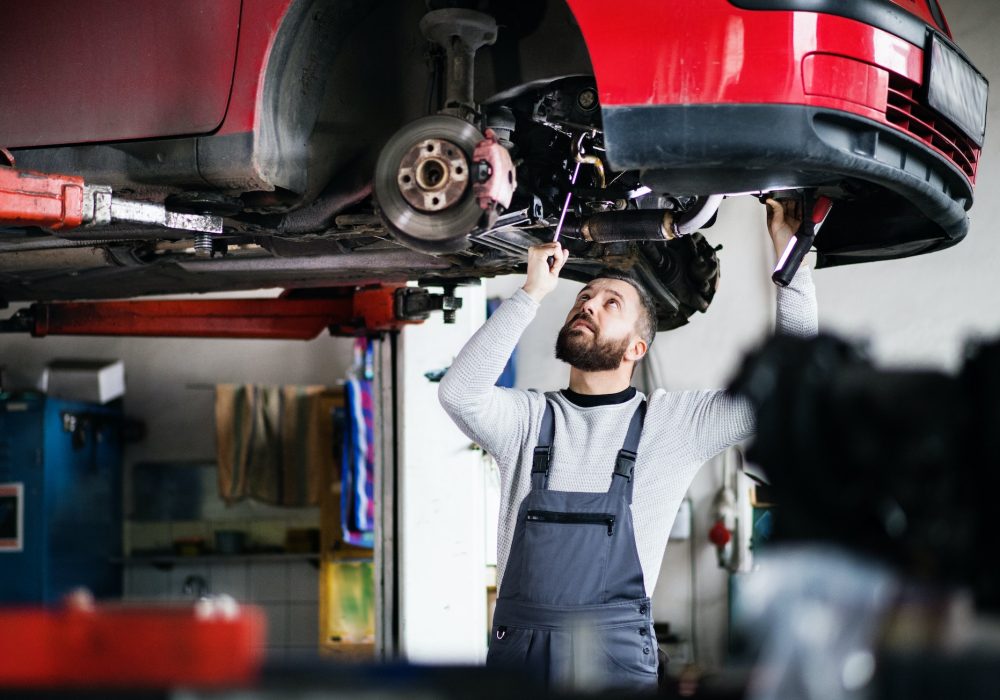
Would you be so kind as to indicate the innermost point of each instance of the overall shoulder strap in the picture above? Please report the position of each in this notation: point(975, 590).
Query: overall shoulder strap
point(543, 450)
point(625, 462)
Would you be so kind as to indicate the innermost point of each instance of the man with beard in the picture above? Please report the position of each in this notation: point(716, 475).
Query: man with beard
point(592, 476)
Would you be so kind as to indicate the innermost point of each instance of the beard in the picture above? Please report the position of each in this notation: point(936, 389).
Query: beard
point(593, 354)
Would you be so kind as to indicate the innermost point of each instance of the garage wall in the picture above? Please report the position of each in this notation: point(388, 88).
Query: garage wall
point(169, 386)
point(919, 311)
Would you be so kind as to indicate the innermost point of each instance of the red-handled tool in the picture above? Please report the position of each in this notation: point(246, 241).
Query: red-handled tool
point(802, 241)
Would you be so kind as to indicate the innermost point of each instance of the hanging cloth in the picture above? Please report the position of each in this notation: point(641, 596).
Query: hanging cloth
point(270, 443)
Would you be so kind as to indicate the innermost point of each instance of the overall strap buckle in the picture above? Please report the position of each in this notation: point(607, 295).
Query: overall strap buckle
point(625, 464)
point(543, 451)
point(540, 460)
point(625, 461)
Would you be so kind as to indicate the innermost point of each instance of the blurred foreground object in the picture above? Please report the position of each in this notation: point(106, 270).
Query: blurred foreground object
point(902, 465)
point(879, 579)
point(214, 644)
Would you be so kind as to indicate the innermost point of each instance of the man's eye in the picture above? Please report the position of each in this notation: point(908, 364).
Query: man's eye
point(584, 297)
point(614, 303)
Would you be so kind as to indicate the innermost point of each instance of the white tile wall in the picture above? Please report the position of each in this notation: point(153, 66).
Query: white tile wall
point(269, 581)
point(303, 624)
point(146, 583)
point(277, 624)
point(287, 592)
point(303, 581)
point(231, 578)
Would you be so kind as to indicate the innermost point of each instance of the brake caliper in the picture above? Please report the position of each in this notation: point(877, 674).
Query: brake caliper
point(493, 176)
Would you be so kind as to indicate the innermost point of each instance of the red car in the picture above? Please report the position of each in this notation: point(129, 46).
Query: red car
point(348, 141)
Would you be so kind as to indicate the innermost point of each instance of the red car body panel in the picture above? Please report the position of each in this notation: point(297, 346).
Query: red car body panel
point(257, 34)
point(765, 57)
point(283, 103)
point(116, 70)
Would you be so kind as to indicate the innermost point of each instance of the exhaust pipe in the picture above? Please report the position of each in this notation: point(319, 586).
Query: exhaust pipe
point(648, 224)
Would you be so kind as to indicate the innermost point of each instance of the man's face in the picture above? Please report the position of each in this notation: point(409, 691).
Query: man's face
point(601, 327)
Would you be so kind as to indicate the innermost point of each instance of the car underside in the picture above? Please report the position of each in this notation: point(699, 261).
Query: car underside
point(364, 142)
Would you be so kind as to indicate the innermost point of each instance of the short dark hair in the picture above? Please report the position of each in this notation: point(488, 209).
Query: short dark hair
point(647, 307)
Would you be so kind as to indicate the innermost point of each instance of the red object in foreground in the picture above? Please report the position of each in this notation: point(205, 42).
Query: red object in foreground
point(123, 646)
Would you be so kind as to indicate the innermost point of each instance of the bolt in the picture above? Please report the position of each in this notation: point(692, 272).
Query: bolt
point(203, 245)
point(587, 99)
point(450, 316)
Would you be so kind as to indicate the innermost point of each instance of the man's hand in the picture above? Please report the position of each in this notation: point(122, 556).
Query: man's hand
point(783, 220)
point(542, 278)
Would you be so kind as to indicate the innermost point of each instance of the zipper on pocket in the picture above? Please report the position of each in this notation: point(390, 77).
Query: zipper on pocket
point(548, 516)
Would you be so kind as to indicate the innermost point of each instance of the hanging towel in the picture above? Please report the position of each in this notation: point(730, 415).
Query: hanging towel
point(358, 465)
point(271, 443)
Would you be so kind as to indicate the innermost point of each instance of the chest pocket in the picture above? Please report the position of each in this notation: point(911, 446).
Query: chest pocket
point(565, 556)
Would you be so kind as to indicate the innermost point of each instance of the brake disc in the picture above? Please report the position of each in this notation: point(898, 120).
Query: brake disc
point(423, 184)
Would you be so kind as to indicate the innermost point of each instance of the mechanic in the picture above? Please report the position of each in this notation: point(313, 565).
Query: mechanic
point(583, 525)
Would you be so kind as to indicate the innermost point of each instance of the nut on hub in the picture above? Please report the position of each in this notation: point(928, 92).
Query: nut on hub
point(433, 175)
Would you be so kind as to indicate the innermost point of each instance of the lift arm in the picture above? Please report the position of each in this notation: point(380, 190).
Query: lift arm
point(344, 311)
point(60, 202)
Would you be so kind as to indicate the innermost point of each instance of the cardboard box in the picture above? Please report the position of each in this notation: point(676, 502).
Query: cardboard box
point(93, 381)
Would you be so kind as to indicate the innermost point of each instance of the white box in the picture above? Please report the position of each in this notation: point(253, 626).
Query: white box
point(93, 381)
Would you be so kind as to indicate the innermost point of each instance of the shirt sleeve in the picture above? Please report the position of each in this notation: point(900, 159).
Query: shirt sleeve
point(715, 420)
point(796, 312)
point(711, 421)
point(494, 417)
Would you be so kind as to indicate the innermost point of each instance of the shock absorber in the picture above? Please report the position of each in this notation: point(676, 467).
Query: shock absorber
point(460, 33)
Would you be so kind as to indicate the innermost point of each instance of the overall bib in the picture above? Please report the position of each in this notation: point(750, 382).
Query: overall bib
point(572, 607)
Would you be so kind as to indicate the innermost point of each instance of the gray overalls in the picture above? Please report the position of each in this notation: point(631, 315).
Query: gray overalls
point(572, 606)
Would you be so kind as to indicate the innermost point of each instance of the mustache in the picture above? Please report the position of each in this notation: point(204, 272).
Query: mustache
point(586, 321)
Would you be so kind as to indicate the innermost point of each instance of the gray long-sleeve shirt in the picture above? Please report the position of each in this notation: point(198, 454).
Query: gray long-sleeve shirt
point(683, 429)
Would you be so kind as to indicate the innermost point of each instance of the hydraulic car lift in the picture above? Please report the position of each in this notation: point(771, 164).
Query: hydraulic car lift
point(61, 202)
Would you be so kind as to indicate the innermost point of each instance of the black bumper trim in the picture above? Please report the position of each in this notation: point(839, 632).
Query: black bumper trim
point(902, 198)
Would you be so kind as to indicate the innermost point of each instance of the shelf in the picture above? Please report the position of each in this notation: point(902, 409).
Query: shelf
point(173, 559)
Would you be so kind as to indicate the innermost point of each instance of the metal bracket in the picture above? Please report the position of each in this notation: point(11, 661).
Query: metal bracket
point(416, 304)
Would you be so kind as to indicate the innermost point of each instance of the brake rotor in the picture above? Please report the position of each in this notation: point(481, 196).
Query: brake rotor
point(423, 185)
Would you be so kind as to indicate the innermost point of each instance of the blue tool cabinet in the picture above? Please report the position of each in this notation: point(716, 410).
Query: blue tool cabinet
point(60, 498)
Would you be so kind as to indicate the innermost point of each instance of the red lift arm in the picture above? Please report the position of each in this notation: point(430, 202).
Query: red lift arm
point(344, 311)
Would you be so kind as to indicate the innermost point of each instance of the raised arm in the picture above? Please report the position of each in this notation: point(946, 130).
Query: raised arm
point(492, 416)
point(717, 419)
point(796, 312)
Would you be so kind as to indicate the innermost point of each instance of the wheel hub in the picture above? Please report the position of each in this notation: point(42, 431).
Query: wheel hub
point(433, 175)
point(423, 186)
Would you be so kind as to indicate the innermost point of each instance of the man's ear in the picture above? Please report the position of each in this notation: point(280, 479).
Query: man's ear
point(637, 350)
